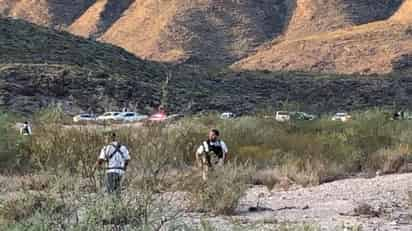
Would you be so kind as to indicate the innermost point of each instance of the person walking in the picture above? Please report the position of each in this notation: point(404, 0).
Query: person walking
point(116, 156)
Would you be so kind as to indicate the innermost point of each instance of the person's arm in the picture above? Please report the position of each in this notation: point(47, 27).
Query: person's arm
point(199, 150)
point(225, 151)
point(127, 158)
point(101, 159)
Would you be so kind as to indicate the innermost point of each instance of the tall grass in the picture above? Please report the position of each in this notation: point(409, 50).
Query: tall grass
point(320, 148)
point(260, 151)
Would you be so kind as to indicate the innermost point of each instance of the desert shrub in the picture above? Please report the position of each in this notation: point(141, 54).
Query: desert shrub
point(305, 151)
point(299, 227)
point(112, 212)
point(54, 147)
point(27, 205)
point(12, 145)
point(390, 160)
point(51, 115)
point(221, 193)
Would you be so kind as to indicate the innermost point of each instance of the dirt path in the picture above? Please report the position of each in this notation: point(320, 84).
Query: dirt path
point(379, 203)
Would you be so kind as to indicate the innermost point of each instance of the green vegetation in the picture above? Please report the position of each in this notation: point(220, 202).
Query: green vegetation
point(54, 176)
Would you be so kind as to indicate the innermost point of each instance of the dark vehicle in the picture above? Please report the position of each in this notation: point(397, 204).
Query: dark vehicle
point(301, 116)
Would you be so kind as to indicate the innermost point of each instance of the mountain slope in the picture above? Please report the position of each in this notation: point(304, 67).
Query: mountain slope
point(99, 17)
point(54, 13)
point(201, 31)
point(379, 47)
point(39, 67)
point(404, 14)
point(313, 16)
point(307, 35)
point(374, 48)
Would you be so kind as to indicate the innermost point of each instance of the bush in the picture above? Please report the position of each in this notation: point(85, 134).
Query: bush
point(25, 206)
point(305, 152)
point(221, 193)
point(12, 145)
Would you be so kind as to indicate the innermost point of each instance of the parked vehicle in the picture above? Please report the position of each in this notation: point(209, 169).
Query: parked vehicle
point(282, 116)
point(402, 115)
point(157, 117)
point(227, 115)
point(174, 117)
point(110, 116)
point(84, 117)
point(341, 116)
point(132, 117)
point(302, 116)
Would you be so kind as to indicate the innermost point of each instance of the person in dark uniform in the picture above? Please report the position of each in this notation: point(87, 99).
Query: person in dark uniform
point(211, 152)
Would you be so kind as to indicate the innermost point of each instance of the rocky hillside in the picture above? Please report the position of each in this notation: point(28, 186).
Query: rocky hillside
point(314, 16)
point(404, 13)
point(378, 47)
point(54, 13)
point(40, 67)
point(99, 18)
point(200, 32)
point(305, 35)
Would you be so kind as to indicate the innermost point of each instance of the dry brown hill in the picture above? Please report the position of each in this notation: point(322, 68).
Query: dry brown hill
point(198, 31)
point(404, 14)
point(374, 48)
point(99, 17)
point(53, 13)
point(313, 16)
point(379, 47)
point(41, 67)
point(368, 36)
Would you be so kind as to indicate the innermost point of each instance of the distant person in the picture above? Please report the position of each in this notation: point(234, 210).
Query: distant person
point(117, 159)
point(211, 149)
point(25, 130)
point(396, 115)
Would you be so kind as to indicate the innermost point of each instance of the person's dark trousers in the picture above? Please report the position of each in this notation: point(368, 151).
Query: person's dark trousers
point(113, 182)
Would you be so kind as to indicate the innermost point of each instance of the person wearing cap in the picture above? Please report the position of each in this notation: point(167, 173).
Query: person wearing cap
point(116, 156)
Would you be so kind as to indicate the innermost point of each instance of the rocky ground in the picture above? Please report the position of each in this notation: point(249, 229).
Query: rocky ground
point(379, 203)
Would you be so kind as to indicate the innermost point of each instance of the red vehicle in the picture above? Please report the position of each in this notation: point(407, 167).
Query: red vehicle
point(158, 117)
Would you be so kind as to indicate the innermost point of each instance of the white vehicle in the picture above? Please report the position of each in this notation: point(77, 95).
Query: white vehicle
point(341, 116)
point(132, 116)
point(282, 116)
point(110, 116)
point(175, 117)
point(84, 117)
point(227, 115)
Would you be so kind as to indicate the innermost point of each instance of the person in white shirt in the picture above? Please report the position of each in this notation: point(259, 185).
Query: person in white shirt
point(212, 146)
point(26, 129)
point(117, 159)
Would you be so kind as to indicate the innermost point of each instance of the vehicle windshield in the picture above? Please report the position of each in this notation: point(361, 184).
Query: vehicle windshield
point(129, 114)
point(283, 113)
point(85, 116)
